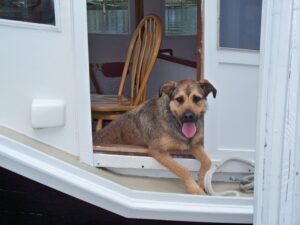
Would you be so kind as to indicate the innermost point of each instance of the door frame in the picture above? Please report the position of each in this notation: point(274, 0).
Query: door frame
point(277, 159)
point(200, 45)
point(81, 76)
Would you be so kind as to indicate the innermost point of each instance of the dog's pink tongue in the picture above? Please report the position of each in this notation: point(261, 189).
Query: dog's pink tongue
point(189, 129)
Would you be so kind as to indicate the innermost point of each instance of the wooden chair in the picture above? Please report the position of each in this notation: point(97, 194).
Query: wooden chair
point(94, 80)
point(141, 56)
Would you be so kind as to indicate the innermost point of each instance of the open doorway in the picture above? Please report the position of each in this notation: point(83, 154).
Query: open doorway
point(230, 127)
point(109, 40)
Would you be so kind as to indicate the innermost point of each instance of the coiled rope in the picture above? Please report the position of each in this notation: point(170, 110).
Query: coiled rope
point(246, 183)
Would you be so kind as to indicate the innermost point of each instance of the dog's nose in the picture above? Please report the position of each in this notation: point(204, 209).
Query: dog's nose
point(189, 116)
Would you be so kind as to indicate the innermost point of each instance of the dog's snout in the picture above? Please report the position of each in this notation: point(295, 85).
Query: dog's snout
point(189, 116)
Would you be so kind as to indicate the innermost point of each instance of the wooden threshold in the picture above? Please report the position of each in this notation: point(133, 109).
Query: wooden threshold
point(133, 150)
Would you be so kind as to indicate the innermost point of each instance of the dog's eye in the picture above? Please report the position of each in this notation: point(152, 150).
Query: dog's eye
point(179, 99)
point(196, 99)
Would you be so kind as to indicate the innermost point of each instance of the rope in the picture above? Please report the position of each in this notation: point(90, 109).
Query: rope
point(246, 183)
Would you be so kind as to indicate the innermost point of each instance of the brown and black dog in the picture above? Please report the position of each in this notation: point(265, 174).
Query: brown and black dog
point(171, 122)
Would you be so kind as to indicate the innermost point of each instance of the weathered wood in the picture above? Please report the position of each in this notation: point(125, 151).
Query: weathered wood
point(132, 150)
point(139, 11)
point(278, 140)
point(109, 103)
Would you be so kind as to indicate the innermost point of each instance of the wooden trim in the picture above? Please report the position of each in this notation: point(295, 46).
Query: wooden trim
point(139, 11)
point(120, 149)
point(200, 49)
point(200, 46)
point(132, 150)
point(177, 60)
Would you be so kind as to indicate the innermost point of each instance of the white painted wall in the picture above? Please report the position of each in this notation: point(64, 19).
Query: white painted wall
point(43, 62)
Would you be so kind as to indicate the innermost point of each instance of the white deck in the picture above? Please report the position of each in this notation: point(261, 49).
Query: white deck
point(129, 196)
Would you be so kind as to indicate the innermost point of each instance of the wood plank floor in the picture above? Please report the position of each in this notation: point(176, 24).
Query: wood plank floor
point(23, 201)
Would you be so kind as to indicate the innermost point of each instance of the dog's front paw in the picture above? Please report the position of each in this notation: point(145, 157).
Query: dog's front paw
point(193, 188)
point(201, 183)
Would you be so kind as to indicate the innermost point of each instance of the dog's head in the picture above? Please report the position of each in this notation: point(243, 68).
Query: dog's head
point(187, 102)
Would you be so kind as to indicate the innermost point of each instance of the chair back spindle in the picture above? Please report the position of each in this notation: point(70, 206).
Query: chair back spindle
point(141, 56)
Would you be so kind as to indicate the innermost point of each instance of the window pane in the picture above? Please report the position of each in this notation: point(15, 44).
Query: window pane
point(181, 17)
point(35, 11)
point(240, 23)
point(108, 16)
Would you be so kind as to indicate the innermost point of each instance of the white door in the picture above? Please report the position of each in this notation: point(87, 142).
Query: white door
point(44, 81)
point(231, 46)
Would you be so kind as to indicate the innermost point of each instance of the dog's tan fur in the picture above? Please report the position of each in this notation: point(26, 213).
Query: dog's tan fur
point(156, 124)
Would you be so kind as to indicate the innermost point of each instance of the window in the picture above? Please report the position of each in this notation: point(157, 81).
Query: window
point(240, 24)
point(34, 11)
point(180, 17)
point(108, 16)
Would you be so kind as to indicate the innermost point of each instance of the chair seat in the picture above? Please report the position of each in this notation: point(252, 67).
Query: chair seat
point(109, 103)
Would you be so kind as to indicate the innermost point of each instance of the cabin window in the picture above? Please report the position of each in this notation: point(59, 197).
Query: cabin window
point(180, 17)
point(108, 16)
point(240, 24)
point(34, 11)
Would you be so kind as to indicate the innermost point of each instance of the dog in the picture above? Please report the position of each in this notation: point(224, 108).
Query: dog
point(172, 121)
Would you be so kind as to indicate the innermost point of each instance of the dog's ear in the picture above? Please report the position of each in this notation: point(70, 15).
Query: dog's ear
point(167, 88)
point(207, 87)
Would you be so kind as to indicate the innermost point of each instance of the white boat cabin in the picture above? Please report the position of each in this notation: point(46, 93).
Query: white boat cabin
point(52, 54)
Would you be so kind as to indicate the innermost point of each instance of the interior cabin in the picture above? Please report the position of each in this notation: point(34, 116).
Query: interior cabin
point(235, 60)
point(57, 57)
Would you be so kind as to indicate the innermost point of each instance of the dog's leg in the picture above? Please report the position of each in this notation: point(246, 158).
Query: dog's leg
point(205, 161)
point(166, 160)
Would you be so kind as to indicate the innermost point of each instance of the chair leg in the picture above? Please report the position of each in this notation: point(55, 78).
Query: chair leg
point(99, 125)
point(94, 80)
